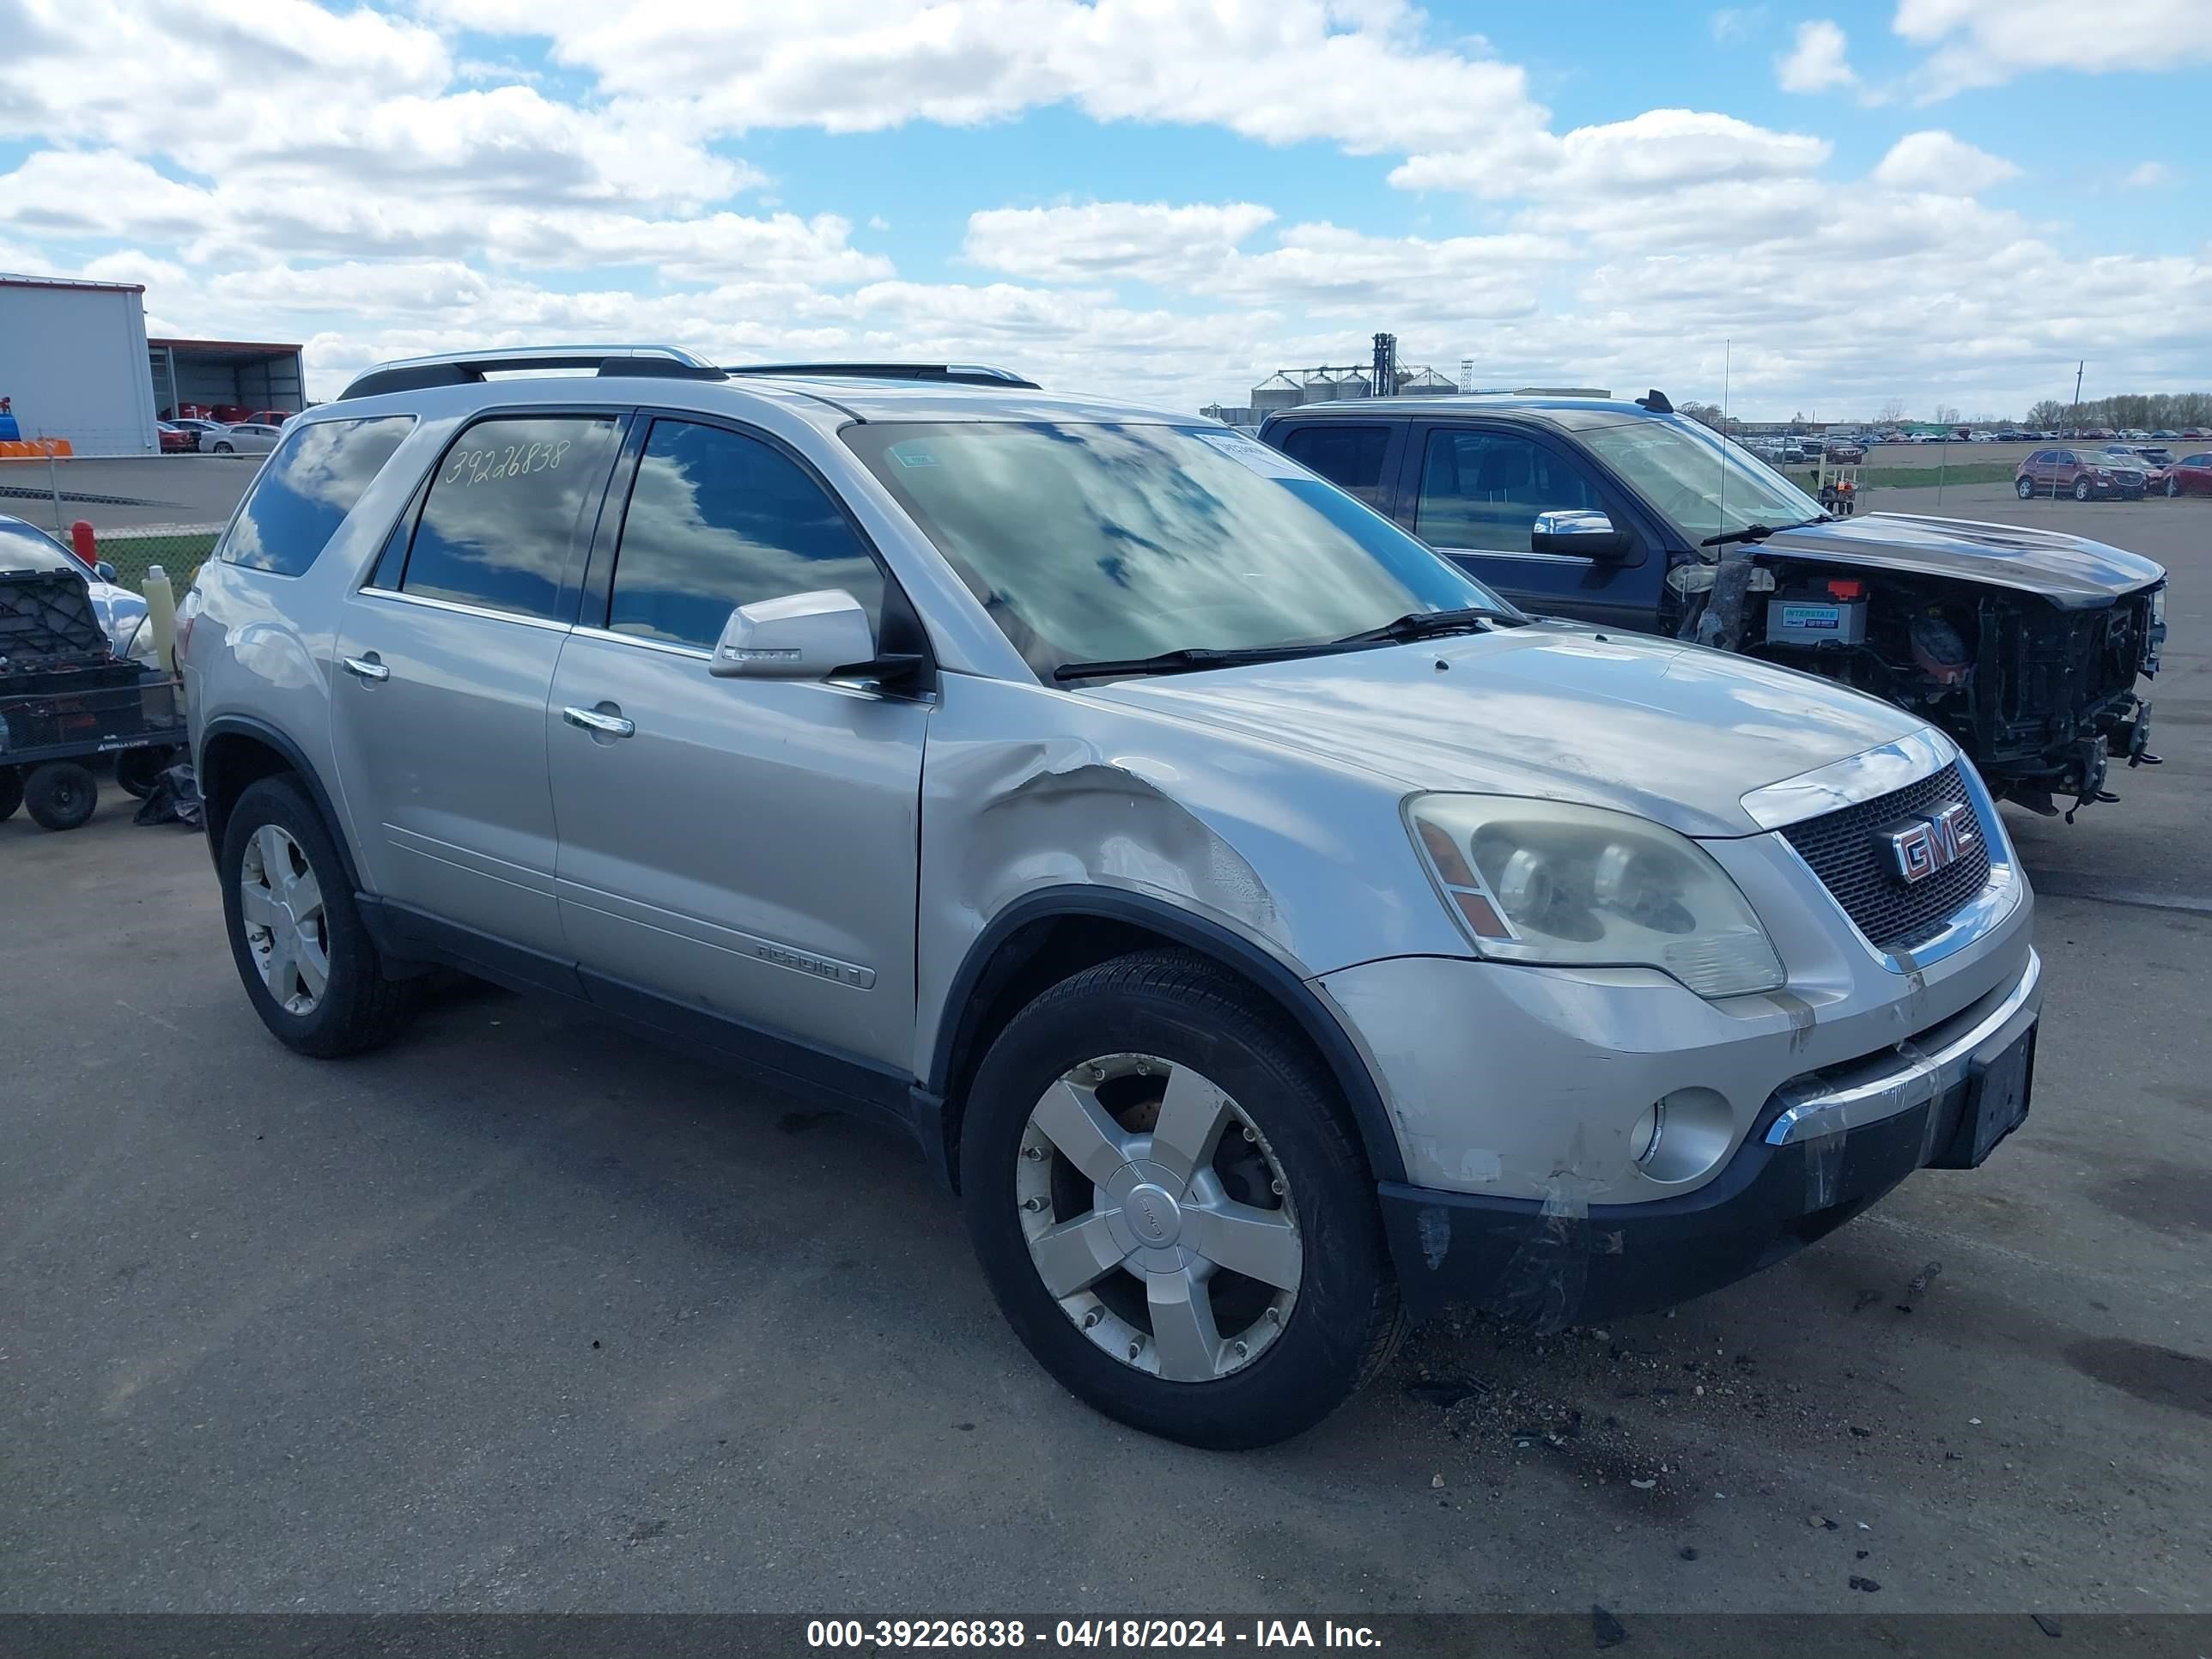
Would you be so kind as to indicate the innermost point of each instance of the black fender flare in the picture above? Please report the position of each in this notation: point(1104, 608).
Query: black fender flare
point(242, 725)
point(963, 1009)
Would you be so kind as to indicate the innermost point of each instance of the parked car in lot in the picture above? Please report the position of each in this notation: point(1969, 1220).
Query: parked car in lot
point(175, 440)
point(271, 417)
point(1846, 451)
point(2085, 474)
point(2025, 646)
point(199, 430)
point(245, 438)
point(2190, 476)
point(1268, 929)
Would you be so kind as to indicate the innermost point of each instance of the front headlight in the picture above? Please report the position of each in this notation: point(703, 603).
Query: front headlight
point(2157, 603)
point(1539, 881)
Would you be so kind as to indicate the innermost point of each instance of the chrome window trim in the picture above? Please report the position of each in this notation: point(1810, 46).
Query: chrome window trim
point(1534, 558)
point(458, 609)
point(1852, 780)
point(670, 647)
point(1923, 1076)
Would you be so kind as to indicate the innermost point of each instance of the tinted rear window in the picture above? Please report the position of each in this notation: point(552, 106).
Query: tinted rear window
point(510, 512)
point(1349, 457)
point(308, 488)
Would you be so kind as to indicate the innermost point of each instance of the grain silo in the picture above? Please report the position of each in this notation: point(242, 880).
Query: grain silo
point(1425, 383)
point(1277, 390)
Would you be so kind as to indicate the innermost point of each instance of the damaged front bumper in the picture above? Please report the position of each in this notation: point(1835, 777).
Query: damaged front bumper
point(1826, 1147)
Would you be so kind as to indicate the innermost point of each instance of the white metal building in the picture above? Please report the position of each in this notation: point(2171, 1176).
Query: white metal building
point(73, 363)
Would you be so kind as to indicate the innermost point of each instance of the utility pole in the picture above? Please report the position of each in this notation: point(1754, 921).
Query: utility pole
point(2078, 367)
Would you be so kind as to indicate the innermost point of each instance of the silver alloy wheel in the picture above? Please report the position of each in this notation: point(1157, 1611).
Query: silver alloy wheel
point(1125, 1185)
point(281, 902)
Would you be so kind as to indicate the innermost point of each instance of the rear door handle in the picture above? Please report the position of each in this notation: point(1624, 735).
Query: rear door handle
point(366, 668)
point(590, 719)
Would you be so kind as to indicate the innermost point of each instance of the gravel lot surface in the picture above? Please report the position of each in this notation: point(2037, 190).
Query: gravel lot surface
point(521, 1314)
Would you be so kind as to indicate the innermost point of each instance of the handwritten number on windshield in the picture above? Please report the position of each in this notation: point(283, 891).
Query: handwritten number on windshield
point(469, 467)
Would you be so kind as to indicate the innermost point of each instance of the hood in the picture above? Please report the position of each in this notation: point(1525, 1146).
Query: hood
point(1671, 732)
point(2072, 572)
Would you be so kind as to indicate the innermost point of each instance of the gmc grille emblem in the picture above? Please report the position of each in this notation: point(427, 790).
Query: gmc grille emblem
point(1918, 848)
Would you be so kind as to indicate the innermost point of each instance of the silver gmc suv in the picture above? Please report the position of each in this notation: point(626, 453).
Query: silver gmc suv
point(1267, 931)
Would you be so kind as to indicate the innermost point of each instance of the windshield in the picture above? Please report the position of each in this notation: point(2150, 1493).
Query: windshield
point(1705, 484)
point(26, 547)
point(1089, 542)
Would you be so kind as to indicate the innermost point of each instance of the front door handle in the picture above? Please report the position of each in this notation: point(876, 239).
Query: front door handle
point(590, 719)
point(366, 668)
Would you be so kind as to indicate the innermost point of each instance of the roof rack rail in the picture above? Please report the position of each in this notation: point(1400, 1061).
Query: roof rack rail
point(466, 368)
point(957, 374)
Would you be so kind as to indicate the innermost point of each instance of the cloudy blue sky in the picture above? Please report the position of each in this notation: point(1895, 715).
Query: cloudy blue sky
point(1934, 201)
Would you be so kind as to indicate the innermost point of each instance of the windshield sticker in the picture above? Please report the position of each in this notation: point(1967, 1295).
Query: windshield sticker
point(911, 454)
point(1268, 463)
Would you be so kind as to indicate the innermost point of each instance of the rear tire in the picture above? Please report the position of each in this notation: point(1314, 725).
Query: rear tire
point(1167, 1050)
point(2081, 490)
point(11, 792)
point(61, 795)
point(309, 965)
point(137, 770)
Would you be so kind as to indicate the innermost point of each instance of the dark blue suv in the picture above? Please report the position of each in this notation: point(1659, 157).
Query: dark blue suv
point(2024, 645)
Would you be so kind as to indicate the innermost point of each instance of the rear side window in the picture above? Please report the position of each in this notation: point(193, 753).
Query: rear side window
point(308, 488)
point(718, 519)
point(509, 511)
point(1349, 457)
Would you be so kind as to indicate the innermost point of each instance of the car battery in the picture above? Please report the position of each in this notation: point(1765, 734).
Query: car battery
point(1837, 613)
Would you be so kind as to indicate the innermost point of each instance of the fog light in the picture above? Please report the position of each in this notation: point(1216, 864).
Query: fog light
point(1682, 1135)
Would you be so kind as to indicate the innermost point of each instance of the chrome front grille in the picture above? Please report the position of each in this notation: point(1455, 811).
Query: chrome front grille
point(1843, 850)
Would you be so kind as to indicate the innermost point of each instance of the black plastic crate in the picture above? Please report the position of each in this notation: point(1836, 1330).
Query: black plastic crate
point(47, 622)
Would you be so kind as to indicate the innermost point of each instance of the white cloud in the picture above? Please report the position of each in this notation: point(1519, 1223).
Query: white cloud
point(1818, 62)
point(2148, 175)
point(1731, 24)
point(1978, 44)
point(1659, 148)
point(1150, 240)
point(409, 203)
point(1361, 76)
point(1937, 161)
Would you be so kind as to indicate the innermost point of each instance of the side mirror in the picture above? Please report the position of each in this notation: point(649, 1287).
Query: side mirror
point(1581, 532)
point(105, 571)
point(800, 636)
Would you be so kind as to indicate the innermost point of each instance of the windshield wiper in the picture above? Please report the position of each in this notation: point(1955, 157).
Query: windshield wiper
point(1759, 532)
point(1192, 659)
point(1428, 624)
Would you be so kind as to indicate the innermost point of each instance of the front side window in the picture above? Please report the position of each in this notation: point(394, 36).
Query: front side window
point(1349, 457)
point(308, 488)
point(1484, 489)
point(508, 511)
point(1691, 475)
point(718, 519)
point(1091, 542)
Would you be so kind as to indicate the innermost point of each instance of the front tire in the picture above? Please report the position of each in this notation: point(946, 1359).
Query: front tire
point(1167, 1196)
point(309, 965)
point(61, 795)
point(2172, 488)
point(2082, 491)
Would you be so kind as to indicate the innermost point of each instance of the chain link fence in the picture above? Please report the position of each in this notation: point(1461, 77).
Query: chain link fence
point(179, 550)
